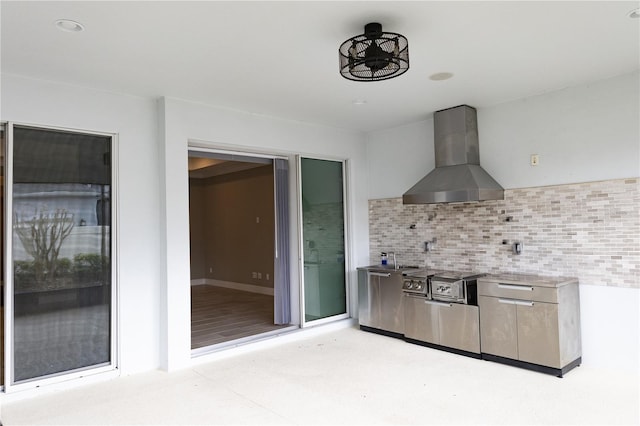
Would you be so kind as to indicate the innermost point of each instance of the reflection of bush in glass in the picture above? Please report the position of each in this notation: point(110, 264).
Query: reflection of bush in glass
point(64, 267)
point(24, 271)
point(86, 269)
point(42, 236)
point(90, 266)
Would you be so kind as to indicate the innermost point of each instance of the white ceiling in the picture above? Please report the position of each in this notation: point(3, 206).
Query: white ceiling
point(281, 58)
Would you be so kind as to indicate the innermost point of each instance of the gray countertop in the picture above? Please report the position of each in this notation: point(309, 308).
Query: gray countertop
point(388, 268)
point(505, 278)
point(527, 279)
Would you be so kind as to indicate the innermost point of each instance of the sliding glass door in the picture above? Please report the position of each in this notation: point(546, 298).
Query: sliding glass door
point(3, 133)
point(323, 238)
point(60, 260)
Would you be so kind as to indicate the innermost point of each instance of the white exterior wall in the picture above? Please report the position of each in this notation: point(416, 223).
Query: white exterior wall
point(582, 134)
point(134, 120)
point(153, 300)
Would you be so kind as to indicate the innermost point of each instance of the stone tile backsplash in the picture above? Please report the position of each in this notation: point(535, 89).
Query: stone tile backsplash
point(588, 230)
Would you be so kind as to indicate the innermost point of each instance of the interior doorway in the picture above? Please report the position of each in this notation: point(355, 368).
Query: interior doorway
point(234, 275)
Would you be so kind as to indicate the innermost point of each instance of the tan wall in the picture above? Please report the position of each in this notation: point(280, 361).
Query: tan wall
point(196, 224)
point(225, 235)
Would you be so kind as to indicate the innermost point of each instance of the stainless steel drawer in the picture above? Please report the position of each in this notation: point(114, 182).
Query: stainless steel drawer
point(517, 291)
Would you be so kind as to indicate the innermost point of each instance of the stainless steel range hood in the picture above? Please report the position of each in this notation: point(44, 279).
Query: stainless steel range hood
point(458, 176)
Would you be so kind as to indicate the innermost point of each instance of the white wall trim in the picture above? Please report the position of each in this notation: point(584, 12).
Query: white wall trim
point(233, 285)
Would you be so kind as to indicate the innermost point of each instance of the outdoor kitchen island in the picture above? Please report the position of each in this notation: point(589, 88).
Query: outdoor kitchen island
point(526, 321)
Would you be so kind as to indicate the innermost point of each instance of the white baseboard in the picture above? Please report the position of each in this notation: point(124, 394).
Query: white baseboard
point(235, 286)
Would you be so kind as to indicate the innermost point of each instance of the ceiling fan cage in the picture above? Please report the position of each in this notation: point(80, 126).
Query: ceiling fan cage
point(374, 55)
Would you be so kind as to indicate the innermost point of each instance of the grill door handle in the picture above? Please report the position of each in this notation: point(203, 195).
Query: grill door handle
point(413, 296)
point(516, 302)
point(433, 302)
point(515, 287)
point(380, 274)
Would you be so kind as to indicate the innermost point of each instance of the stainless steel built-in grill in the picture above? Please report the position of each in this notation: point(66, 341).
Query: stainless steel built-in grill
point(416, 282)
point(446, 286)
point(455, 287)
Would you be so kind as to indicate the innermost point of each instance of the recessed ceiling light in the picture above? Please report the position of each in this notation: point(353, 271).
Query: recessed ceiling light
point(439, 76)
point(69, 25)
point(359, 102)
point(635, 13)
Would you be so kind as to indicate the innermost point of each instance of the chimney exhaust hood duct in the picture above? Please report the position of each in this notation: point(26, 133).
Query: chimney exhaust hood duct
point(458, 176)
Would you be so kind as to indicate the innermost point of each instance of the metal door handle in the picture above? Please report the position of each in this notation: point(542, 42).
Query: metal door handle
point(433, 302)
point(379, 274)
point(515, 287)
point(516, 302)
point(413, 296)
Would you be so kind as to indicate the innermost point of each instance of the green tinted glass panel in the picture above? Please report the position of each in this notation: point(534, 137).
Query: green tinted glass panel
point(323, 233)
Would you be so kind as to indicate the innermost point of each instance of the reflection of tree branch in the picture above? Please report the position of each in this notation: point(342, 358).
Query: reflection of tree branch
point(42, 237)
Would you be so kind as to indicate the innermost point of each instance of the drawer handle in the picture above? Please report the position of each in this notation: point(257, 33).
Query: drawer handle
point(378, 274)
point(515, 287)
point(516, 302)
point(412, 296)
point(433, 302)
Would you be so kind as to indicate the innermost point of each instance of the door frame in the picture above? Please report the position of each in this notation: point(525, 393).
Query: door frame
point(113, 366)
point(347, 243)
point(197, 146)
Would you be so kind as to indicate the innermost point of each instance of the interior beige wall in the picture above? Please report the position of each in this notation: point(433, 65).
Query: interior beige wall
point(196, 225)
point(227, 241)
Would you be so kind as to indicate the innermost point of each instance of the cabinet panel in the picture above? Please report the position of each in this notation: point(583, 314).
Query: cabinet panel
point(421, 320)
point(390, 296)
point(498, 327)
point(368, 299)
point(413, 315)
point(374, 301)
point(459, 327)
point(538, 340)
point(517, 291)
point(432, 323)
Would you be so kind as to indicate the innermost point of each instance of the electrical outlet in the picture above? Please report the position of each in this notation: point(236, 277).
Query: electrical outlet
point(254, 275)
point(267, 277)
point(211, 270)
point(259, 275)
point(535, 159)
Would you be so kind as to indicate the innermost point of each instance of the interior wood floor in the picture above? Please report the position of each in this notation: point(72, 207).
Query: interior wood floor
point(221, 314)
